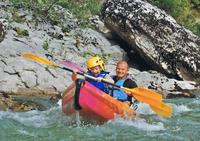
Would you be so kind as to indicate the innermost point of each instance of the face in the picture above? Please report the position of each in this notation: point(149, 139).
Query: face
point(121, 70)
point(95, 70)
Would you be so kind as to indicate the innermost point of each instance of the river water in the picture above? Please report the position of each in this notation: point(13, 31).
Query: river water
point(53, 125)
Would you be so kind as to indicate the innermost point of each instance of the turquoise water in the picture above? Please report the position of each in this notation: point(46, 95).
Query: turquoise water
point(53, 125)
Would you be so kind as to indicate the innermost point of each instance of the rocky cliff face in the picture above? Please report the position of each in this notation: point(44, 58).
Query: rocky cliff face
point(25, 78)
point(157, 37)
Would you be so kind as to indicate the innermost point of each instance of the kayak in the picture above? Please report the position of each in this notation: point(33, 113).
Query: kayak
point(92, 103)
point(78, 95)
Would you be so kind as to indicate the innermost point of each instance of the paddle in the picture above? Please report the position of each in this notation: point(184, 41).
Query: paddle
point(150, 96)
point(164, 110)
point(153, 99)
point(72, 65)
point(141, 94)
point(154, 96)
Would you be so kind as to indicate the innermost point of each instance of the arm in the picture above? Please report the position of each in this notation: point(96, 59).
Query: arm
point(75, 76)
point(109, 79)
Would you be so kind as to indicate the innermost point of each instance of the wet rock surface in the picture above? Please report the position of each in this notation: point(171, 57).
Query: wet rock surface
point(28, 99)
point(9, 103)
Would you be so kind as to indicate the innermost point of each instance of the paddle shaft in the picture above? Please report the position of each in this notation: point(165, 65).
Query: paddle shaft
point(91, 77)
point(141, 94)
point(163, 109)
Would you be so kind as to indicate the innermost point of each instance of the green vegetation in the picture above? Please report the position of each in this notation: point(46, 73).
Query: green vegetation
point(16, 17)
point(186, 12)
point(83, 9)
point(21, 32)
point(45, 45)
point(43, 9)
point(85, 54)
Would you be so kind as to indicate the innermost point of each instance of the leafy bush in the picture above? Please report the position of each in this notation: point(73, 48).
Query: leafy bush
point(196, 3)
point(197, 29)
point(82, 9)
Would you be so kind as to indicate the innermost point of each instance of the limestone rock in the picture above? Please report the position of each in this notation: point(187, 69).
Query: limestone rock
point(160, 41)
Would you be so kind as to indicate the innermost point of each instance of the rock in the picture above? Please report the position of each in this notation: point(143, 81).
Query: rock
point(24, 83)
point(165, 86)
point(22, 78)
point(3, 28)
point(6, 102)
point(28, 99)
point(159, 40)
point(180, 94)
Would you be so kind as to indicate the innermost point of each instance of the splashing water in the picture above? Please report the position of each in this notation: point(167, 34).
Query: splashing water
point(53, 125)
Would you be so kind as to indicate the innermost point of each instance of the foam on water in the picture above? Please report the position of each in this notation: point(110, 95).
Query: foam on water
point(59, 102)
point(197, 101)
point(36, 118)
point(180, 108)
point(26, 133)
point(144, 109)
point(140, 124)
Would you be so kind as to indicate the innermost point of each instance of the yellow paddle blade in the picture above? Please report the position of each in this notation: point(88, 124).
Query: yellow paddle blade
point(152, 98)
point(146, 95)
point(40, 59)
point(164, 110)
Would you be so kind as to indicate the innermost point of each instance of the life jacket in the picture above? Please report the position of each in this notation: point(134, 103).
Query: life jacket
point(119, 94)
point(99, 85)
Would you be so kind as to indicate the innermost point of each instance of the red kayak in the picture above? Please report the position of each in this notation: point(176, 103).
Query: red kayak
point(92, 103)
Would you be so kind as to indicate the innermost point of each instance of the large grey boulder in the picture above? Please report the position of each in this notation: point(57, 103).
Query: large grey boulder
point(18, 74)
point(162, 43)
